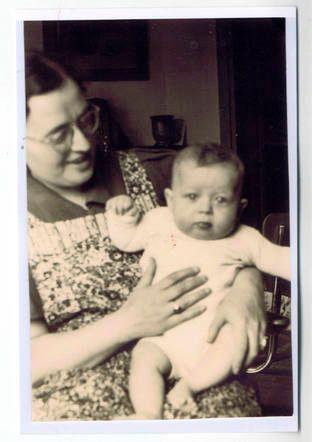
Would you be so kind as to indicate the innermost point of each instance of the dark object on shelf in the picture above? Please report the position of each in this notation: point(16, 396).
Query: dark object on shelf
point(101, 50)
point(163, 130)
point(180, 133)
point(168, 131)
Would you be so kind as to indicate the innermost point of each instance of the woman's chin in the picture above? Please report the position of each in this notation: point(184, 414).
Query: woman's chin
point(79, 176)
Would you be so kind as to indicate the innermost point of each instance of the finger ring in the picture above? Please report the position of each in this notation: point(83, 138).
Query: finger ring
point(263, 343)
point(177, 308)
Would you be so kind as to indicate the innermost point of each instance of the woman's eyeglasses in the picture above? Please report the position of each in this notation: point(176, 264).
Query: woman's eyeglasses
point(61, 139)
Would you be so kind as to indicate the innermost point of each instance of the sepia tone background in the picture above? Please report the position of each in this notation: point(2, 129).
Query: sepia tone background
point(226, 79)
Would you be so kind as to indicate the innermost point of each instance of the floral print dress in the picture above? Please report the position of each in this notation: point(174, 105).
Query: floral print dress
point(80, 277)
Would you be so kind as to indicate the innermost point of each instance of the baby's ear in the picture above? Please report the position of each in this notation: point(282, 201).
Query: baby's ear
point(243, 203)
point(168, 197)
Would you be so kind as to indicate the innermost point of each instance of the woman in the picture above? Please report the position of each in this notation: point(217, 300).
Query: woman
point(88, 306)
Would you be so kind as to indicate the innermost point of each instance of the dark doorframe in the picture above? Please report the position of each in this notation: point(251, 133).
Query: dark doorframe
point(252, 94)
point(226, 84)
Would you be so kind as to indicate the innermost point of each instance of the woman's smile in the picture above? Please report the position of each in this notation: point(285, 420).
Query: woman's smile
point(81, 160)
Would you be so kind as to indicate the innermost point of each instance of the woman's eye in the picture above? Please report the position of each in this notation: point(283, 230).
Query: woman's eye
point(60, 136)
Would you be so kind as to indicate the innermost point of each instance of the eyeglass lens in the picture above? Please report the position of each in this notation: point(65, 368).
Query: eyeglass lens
point(88, 122)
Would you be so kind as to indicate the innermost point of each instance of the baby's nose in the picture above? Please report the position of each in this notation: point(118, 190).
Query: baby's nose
point(206, 206)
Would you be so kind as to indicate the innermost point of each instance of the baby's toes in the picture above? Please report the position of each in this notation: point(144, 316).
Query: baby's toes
point(178, 397)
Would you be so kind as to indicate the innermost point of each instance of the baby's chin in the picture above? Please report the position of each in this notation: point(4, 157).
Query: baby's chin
point(205, 231)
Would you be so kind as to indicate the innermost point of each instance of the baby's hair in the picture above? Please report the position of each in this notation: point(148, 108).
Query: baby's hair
point(209, 154)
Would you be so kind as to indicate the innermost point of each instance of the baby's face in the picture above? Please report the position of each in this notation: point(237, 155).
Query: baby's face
point(204, 200)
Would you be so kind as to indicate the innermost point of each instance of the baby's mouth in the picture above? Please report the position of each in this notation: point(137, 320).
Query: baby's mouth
point(204, 225)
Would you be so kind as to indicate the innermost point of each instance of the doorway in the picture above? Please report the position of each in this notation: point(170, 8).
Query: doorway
point(253, 111)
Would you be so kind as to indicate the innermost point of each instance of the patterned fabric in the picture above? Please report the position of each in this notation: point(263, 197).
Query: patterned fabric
point(81, 277)
point(285, 307)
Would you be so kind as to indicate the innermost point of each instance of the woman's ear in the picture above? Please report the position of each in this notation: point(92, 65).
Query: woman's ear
point(168, 197)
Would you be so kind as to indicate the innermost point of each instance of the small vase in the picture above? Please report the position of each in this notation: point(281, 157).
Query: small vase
point(163, 130)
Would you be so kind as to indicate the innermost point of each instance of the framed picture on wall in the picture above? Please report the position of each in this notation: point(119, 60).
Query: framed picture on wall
point(103, 50)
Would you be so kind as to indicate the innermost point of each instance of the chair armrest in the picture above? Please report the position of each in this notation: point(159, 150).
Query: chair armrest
point(276, 323)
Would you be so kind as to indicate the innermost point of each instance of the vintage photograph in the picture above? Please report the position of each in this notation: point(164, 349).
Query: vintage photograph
point(159, 246)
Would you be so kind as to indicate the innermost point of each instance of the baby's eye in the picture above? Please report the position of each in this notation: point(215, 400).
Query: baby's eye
point(191, 196)
point(221, 200)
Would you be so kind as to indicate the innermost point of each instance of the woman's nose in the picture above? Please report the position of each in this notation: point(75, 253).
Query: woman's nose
point(80, 143)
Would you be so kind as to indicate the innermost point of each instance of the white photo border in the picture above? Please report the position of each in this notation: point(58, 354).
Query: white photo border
point(241, 425)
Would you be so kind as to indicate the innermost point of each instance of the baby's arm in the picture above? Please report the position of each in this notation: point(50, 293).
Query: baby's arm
point(271, 258)
point(125, 227)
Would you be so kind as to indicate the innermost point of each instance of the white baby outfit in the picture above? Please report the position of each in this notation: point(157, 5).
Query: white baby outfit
point(219, 260)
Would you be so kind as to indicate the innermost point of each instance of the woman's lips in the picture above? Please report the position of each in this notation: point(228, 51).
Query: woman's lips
point(80, 160)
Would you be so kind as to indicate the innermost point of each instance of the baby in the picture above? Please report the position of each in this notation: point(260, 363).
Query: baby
point(200, 226)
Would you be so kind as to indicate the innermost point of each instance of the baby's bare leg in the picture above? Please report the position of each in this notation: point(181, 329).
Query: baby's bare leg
point(214, 366)
point(216, 363)
point(149, 365)
point(181, 395)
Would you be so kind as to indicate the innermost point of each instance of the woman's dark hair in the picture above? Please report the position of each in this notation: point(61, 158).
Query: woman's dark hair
point(43, 74)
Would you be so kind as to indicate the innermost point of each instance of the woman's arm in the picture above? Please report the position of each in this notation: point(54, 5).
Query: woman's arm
point(148, 311)
point(84, 347)
point(243, 308)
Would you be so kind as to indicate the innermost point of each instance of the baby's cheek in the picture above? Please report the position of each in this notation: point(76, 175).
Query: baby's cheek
point(184, 225)
point(227, 219)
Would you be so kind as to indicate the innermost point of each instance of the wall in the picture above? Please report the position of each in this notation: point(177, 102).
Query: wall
point(183, 81)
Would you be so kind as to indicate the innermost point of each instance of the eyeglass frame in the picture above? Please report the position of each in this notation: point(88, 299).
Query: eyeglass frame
point(64, 146)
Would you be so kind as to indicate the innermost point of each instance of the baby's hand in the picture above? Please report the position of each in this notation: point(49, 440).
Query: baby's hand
point(123, 205)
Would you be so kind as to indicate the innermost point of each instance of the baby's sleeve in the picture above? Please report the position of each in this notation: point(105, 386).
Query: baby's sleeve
point(269, 257)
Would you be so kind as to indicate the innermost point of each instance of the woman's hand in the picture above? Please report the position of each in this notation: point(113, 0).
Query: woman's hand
point(243, 308)
point(148, 311)
point(153, 309)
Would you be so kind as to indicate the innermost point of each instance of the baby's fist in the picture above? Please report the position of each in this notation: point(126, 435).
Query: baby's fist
point(123, 205)
point(120, 204)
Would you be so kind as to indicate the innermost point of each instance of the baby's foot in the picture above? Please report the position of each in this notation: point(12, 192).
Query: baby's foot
point(181, 395)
